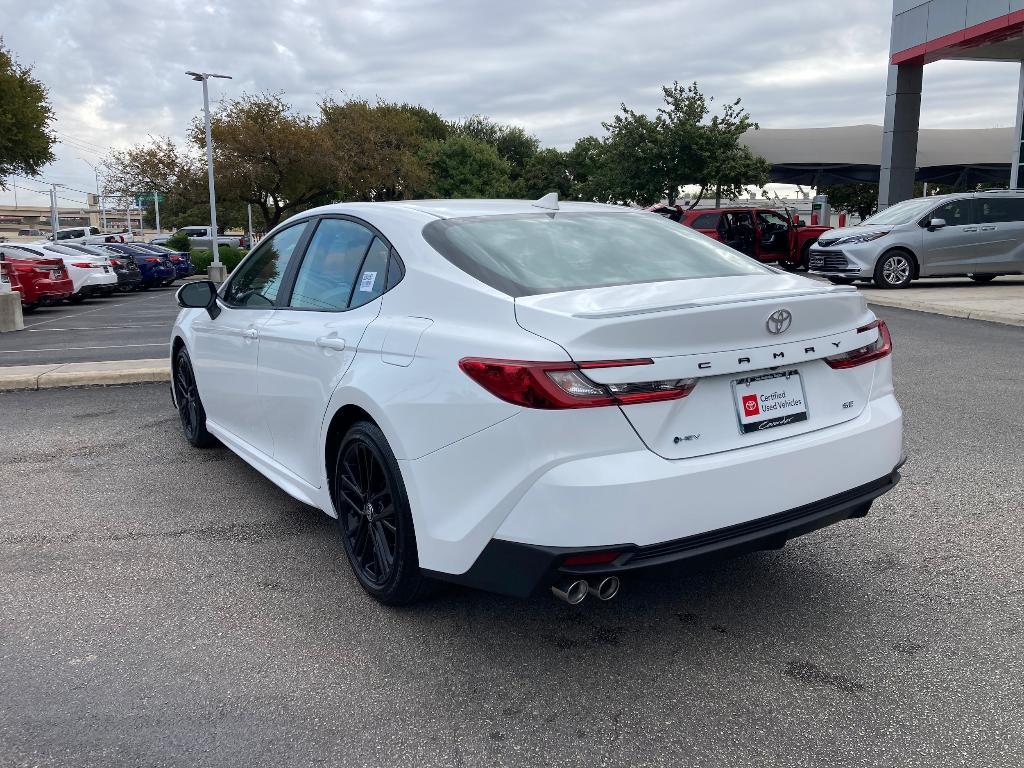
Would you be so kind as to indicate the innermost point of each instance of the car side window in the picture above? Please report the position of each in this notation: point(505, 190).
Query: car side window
point(330, 269)
point(258, 279)
point(995, 210)
point(395, 271)
point(706, 221)
point(372, 275)
point(955, 213)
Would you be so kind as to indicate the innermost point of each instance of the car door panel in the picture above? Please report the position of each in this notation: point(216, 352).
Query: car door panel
point(308, 346)
point(225, 353)
point(304, 356)
point(951, 249)
point(1001, 232)
point(225, 350)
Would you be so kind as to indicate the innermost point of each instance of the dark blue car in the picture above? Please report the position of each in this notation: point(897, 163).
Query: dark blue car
point(182, 260)
point(156, 269)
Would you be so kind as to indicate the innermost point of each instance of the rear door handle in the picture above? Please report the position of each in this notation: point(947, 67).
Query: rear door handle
point(969, 229)
point(251, 333)
point(988, 229)
point(331, 342)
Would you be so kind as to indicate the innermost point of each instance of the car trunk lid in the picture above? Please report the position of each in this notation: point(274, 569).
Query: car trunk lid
point(716, 330)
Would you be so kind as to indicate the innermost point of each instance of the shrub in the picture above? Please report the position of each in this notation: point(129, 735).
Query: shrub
point(229, 256)
point(179, 242)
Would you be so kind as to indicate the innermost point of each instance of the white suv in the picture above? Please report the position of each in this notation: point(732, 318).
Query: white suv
point(519, 396)
point(978, 234)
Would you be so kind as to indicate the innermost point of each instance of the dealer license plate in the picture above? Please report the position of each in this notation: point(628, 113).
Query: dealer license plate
point(768, 401)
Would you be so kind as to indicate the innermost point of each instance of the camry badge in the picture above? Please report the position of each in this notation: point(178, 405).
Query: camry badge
point(779, 321)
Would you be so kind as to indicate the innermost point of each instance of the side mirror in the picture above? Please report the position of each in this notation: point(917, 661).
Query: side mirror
point(934, 224)
point(201, 294)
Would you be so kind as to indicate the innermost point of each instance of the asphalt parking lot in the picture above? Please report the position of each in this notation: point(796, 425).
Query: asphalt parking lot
point(128, 326)
point(167, 606)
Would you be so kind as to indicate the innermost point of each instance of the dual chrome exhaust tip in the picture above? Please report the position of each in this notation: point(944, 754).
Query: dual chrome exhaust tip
point(575, 591)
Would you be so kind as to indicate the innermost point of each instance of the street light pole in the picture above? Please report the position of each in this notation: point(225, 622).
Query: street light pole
point(216, 270)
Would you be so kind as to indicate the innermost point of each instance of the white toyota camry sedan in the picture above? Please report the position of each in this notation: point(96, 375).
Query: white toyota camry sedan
point(528, 396)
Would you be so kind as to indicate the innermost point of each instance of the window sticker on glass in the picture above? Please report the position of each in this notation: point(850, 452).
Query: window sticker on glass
point(367, 281)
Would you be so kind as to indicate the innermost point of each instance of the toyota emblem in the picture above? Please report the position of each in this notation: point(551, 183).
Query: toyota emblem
point(779, 321)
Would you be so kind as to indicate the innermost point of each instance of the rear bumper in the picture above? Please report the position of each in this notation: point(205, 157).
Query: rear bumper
point(633, 501)
point(521, 570)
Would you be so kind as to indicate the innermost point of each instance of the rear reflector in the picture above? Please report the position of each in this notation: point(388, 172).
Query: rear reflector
point(84, 265)
point(564, 385)
point(591, 558)
point(876, 350)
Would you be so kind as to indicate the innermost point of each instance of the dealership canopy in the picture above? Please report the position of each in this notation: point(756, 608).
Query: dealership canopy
point(822, 156)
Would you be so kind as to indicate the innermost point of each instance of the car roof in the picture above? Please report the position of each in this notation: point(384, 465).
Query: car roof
point(448, 209)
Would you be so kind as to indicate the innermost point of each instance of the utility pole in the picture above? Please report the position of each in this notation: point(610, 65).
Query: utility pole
point(156, 205)
point(96, 176)
point(249, 210)
point(216, 271)
point(54, 216)
point(15, 194)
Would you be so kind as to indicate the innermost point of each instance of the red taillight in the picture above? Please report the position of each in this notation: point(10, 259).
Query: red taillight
point(85, 265)
point(241, 242)
point(876, 350)
point(175, 259)
point(564, 385)
point(152, 260)
point(591, 558)
point(115, 263)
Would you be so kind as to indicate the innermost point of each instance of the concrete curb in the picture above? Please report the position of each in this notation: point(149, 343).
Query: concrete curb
point(964, 312)
point(21, 377)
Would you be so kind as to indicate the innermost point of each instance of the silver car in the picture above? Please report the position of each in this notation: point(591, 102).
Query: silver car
point(977, 234)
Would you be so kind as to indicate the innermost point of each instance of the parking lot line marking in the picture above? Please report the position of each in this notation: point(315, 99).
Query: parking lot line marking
point(90, 311)
point(75, 349)
point(99, 327)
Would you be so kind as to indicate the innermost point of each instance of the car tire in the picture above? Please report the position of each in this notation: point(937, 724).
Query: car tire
point(983, 278)
point(895, 269)
point(76, 299)
point(190, 405)
point(374, 517)
point(805, 255)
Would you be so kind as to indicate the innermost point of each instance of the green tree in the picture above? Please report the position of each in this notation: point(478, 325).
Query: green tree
point(377, 148)
point(647, 158)
point(513, 144)
point(178, 173)
point(547, 171)
point(462, 166)
point(268, 156)
point(856, 199)
point(26, 142)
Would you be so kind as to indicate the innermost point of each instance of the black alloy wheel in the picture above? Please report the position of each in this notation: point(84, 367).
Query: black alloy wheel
point(190, 406)
point(374, 521)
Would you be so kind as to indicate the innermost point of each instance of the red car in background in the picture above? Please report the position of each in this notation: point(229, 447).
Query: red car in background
point(40, 281)
point(766, 234)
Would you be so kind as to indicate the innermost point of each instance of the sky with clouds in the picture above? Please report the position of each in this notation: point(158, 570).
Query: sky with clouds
point(115, 68)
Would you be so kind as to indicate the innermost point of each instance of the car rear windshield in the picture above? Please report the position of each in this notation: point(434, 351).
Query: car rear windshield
point(527, 254)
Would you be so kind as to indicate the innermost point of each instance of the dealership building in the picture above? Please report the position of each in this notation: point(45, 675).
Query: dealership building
point(925, 31)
